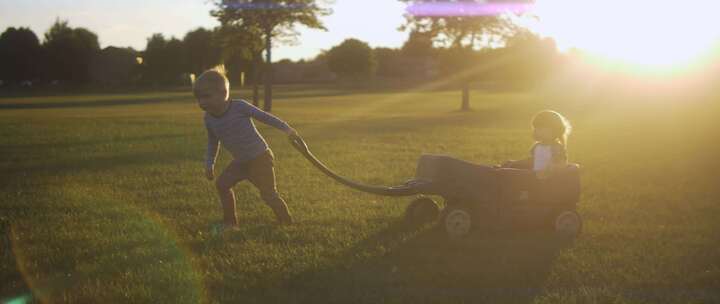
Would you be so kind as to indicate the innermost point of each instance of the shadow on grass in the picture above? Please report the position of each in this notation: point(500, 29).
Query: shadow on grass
point(428, 267)
point(40, 147)
point(282, 93)
point(292, 94)
point(34, 176)
point(93, 103)
point(404, 265)
point(102, 163)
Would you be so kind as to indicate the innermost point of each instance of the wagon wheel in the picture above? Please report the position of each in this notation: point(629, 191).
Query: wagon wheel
point(421, 211)
point(568, 224)
point(458, 221)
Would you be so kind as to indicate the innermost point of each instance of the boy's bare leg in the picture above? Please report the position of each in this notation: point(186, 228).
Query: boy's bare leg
point(262, 175)
point(233, 174)
point(227, 200)
point(279, 207)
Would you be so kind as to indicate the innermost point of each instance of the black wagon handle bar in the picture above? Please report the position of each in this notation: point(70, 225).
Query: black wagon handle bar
point(401, 190)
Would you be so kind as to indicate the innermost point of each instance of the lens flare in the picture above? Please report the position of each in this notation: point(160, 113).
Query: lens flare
point(240, 5)
point(160, 247)
point(19, 300)
point(465, 9)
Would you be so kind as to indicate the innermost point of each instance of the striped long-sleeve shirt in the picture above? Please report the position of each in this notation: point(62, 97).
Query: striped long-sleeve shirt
point(236, 131)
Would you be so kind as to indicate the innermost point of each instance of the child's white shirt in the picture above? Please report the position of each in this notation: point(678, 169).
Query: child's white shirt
point(542, 157)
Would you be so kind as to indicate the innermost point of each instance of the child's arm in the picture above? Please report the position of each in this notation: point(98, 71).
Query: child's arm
point(270, 120)
point(526, 163)
point(518, 164)
point(213, 146)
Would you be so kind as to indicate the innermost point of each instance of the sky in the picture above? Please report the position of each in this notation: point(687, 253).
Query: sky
point(639, 33)
point(130, 22)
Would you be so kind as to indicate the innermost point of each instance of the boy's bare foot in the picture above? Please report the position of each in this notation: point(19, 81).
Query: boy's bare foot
point(282, 214)
point(231, 227)
point(221, 228)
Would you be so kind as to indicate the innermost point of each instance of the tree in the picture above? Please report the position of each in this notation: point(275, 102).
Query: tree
point(20, 55)
point(459, 66)
point(69, 52)
point(389, 62)
point(532, 58)
point(176, 60)
point(352, 59)
point(114, 66)
point(163, 60)
point(243, 44)
point(456, 27)
point(274, 19)
point(202, 50)
point(418, 45)
point(153, 59)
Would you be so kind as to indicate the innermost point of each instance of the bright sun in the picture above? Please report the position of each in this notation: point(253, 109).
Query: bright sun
point(649, 33)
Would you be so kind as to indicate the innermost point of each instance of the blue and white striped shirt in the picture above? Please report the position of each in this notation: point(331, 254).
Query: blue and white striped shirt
point(237, 133)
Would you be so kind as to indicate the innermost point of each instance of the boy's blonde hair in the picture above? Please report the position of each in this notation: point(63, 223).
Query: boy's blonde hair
point(212, 79)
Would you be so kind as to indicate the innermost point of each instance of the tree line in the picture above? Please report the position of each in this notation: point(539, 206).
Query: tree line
point(73, 56)
point(449, 51)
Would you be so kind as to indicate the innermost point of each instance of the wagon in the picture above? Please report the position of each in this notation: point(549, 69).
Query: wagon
point(478, 197)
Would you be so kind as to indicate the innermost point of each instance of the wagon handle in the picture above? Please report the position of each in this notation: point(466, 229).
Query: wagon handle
point(400, 190)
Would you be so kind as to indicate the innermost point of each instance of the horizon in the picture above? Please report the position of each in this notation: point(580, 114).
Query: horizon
point(122, 24)
point(118, 24)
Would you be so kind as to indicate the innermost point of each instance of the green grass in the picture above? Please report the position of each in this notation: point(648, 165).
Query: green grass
point(105, 201)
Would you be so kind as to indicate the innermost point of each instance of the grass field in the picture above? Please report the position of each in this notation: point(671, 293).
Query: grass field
point(103, 200)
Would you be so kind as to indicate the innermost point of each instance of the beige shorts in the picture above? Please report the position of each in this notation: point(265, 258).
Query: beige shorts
point(259, 171)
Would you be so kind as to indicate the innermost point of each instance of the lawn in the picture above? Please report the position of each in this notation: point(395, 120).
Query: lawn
point(103, 199)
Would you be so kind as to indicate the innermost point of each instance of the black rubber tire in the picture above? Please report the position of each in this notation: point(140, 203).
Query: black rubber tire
point(421, 211)
point(568, 224)
point(458, 221)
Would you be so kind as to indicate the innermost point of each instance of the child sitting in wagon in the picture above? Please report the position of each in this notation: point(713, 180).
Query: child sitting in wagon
point(549, 153)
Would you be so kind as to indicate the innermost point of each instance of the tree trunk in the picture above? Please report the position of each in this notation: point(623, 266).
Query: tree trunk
point(257, 65)
point(465, 96)
point(268, 70)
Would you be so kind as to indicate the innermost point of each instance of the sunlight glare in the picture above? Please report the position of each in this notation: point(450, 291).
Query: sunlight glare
point(639, 32)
